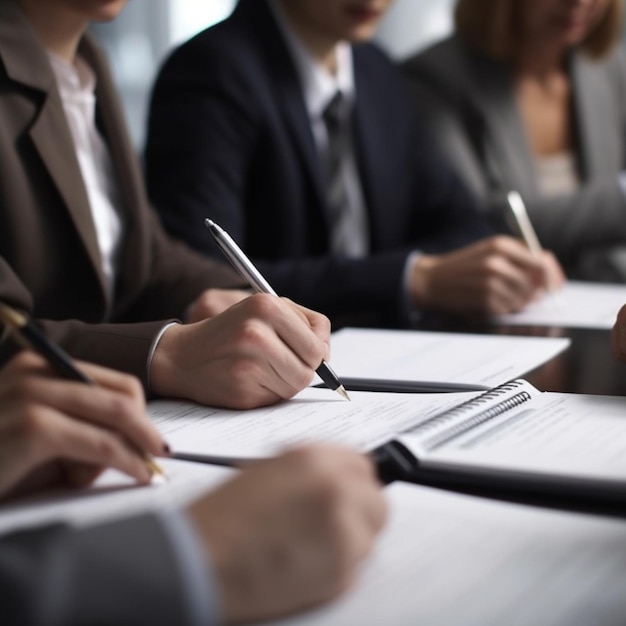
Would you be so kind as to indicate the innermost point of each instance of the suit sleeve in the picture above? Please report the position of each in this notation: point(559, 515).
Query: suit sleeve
point(124, 572)
point(120, 346)
point(177, 277)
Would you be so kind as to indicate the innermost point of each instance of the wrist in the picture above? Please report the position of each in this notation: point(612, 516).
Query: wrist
point(164, 369)
point(421, 279)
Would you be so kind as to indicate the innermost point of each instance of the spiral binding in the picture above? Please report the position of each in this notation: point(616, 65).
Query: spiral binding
point(439, 421)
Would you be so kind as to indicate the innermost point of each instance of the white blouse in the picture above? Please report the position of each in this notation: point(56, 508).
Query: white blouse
point(557, 174)
point(77, 84)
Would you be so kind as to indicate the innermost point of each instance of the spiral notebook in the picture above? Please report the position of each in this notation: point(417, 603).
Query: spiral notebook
point(512, 436)
point(518, 437)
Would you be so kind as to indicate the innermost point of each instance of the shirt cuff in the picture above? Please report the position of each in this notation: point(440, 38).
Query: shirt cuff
point(153, 347)
point(197, 578)
point(413, 314)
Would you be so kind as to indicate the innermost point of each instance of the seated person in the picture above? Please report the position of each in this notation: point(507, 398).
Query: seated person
point(213, 562)
point(297, 138)
point(531, 96)
point(81, 250)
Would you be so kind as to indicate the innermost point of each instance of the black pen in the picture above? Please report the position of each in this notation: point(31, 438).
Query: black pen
point(252, 275)
point(29, 336)
point(408, 386)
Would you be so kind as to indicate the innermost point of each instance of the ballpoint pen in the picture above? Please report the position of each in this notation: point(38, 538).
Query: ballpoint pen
point(252, 275)
point(408, 386)
point(28, 335)
point(521, 222)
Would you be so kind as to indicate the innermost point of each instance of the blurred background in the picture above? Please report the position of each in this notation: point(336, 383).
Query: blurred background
point(141, 37)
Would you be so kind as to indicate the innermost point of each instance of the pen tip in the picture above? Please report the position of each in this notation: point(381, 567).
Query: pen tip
point(159, 477)
point(341, 390)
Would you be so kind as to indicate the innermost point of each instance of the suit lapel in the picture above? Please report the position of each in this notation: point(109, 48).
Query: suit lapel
point(370, 134)
point(26, 62)
point(299, 125)
point(595, 107)
point(257, 17)
point(52, 140)
point(506, 147)
point(128, 176)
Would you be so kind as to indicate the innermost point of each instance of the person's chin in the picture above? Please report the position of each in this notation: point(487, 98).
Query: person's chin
point(361, 34)
point(108, 11)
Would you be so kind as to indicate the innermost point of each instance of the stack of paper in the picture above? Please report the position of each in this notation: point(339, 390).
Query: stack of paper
point(576, 305)
point(488, 360)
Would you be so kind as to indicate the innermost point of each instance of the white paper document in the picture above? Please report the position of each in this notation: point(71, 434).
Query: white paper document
point(488, 360)
point(514, 433)
point(451, 560)
point(314, 415)
point(577, 305)
point(114, 496)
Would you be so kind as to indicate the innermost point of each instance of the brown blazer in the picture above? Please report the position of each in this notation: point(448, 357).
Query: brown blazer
point(49, 257)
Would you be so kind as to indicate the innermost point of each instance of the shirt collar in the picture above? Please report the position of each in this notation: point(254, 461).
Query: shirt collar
point(319, 86)
point(73, 79)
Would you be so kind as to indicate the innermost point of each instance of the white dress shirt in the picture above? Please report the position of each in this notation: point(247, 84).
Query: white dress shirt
point(319, 87)
point(77, 84)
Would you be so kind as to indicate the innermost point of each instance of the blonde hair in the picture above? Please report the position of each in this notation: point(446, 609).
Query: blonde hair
point(489, 26)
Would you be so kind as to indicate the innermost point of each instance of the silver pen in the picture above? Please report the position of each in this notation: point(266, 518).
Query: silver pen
point(521, 222)
point(251, 274)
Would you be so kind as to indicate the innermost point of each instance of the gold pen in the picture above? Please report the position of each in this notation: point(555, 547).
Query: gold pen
point(29, 336)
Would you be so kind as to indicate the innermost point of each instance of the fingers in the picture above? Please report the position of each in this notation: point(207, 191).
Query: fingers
point(514, 251)
point(512, 275)
point(319, 507)
point(506, 285)
point(118, 407)
point(318, 323)
point(46, 420)
point(353, 485)
point(543, 268)
point(212, 302)
point(618, 335)
point(280, 336)
point(48, 434)
point(495, 275)
point(305, 332)
point(554, 276)
point(24, 362)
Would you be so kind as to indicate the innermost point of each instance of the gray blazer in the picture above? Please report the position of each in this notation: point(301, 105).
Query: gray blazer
point(468, 100)
point(117, 574)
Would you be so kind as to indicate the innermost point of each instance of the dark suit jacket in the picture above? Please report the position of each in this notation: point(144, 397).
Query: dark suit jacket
point(117, 574)
point(468, 99)
point(230, 139)
point(49, 257)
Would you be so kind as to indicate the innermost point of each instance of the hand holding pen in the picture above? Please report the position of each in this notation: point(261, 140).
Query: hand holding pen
point(249, 272)
point(519, 221)
point(69, 428)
